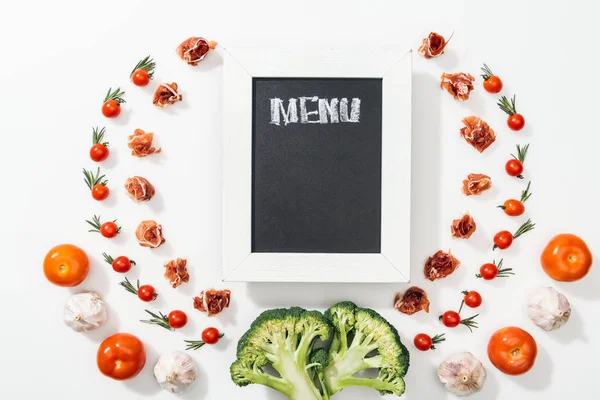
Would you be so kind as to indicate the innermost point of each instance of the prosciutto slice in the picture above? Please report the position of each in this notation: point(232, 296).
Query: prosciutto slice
point(433, 45)
point(440, 265)
point(149, 234)
point(477, 133)
point(212, 301)
point(139, 188)
point(459, 85)
point(194, 49)
point(166, 94)
point(176, 272)
point(475, 184)
point(464, 227)
point(412, 301)
point(140, 143)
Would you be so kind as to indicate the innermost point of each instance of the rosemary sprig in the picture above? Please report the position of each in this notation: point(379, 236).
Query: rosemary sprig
point(526, 227)
point(437, 339)
point(487, 72)
point(133, 289)
point(470, 322)
point(525, 195)
point(98, 136)
point(161, 320)
point(147, 64)
point(91, 180)
point(521, 153)
point(109, 259)
point(95, 223)
point(116, 95)
point(196, 344)
point(507, 106)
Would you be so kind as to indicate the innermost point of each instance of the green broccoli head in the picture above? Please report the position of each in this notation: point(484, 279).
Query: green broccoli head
point(363, 339)
point(282, 339)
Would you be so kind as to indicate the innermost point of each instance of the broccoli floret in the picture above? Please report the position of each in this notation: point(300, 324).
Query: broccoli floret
point(319, 359)
point(363, 339)
point(282, 339)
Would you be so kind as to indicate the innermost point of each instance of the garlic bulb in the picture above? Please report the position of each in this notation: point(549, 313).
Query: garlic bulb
point(462, 374)
point(548, 308)
point(84, 312)
point(175, 372)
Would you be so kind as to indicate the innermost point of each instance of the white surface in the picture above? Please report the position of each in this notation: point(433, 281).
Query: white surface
point(59, 58)
point(240, 66)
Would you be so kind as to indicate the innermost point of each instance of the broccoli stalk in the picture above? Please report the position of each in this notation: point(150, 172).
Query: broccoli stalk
point(282, 339)
point(362, 340)
point(318, 362)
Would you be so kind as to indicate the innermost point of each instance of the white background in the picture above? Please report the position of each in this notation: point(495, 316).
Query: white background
point(58, 60)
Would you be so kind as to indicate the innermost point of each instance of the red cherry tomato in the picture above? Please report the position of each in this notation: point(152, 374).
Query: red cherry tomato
point(514, 167)
point(488, 271)
point(100, 192)
point(146, 293)
point(177, 319)
point(211, 335)
point(423, 342)
point(111, 109)
point(503, 240)
point(109, 229)
point(99, 152)
point(472, 298)
point(493, 84)
point(516, 122)
point(513, 208)
point(451, 319)
point(140, 77)
point(122, 264)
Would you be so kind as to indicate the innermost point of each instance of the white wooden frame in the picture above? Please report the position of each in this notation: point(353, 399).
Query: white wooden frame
point(241, 65)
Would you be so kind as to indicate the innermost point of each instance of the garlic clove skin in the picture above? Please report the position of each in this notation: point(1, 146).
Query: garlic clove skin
point(84, 312)
point(462, 374)
point(548, 308)
point(175, 372)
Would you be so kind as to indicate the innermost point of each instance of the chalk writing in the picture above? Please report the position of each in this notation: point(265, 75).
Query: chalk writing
point(314, 110)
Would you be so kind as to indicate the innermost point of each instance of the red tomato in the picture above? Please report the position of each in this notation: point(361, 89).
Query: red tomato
point(177, 319)
point(111, 109)
point(516, 122)
point(140, 77)
point(146, 293)
point(488, 271)
point(503, 240)
point(99, 152)
point(100, 192)
point(211, 335)
point(66, 265)
point(513, 208)
point(121, 356)
point(109, 229)
point(493, 84)
point(566, 258)
point(514, 167)
point(450, 319)
point(512, 350)
point(122, 264)
point(423, 342)
point(472, 298)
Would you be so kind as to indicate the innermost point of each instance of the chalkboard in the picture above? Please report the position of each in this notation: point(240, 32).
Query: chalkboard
point(316, 165)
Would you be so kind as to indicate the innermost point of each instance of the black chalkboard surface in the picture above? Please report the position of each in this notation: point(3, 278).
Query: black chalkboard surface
point(316, 165)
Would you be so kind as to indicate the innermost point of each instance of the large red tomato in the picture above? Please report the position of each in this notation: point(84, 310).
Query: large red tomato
point(566, 258)
point(66, 265)
point(121, 356)
point(512, 350)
